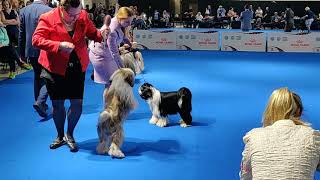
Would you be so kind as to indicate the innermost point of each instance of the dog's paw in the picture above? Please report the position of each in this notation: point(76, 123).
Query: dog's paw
point(153, 120)
point(161, 123)
point(102, 149)
point(183, 124)
point(116, 153)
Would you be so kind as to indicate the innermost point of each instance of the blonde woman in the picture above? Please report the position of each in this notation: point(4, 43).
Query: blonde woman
point(105, 57)
point(285, 147)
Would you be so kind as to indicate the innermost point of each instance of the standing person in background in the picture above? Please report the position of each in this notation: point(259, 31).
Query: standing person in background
point(288, 17)
point(267, 15)
point(209, 10)
point(61, 37)
point(11, 19)
point(156, 17)
point(309, 18)
point(29, 17)
point(246, 18)
point(251, 8)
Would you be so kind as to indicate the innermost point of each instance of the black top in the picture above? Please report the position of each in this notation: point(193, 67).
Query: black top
point(289, 15)
point(11, 28)
point(310, 14)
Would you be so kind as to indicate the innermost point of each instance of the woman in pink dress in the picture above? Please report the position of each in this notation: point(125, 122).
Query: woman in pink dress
point(105, 56)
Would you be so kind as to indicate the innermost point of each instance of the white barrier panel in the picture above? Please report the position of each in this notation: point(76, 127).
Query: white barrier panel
point(293, 42)
point(188, 40)
point(243, 41)
point(160, 40)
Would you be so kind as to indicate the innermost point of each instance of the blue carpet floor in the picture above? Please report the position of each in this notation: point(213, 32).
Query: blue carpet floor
point(230, 91)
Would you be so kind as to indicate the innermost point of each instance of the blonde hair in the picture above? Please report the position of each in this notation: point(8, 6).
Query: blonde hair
point(283, 104)
point(124, 12)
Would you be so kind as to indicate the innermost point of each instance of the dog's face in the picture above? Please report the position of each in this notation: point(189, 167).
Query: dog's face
point(145, 91)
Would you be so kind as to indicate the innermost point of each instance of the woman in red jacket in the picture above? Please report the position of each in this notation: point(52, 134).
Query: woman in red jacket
point(60, 35)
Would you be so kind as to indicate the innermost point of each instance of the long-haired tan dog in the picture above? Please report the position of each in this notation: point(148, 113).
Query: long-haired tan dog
point(133, 60)
point(119, 102)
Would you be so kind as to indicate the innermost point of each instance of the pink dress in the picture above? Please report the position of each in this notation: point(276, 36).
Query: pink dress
point(105, 56)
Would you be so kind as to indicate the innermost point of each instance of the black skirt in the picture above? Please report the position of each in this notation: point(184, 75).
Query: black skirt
point(70, 86)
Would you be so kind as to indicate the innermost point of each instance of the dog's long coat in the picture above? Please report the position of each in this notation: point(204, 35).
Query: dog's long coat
point(163, 104)
point(119, 102)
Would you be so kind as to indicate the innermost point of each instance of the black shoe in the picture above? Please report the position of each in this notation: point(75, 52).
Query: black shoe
point(41, 109)
point(71, 143)
point(57, 143)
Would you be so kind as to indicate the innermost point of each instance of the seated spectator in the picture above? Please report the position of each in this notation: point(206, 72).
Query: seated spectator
point(232, 14)
point(188, 18)
point(156, 18)
point(198, 19)
point(221, 12)
point(166, 18)
point(283, 15)
point(176, 17)
point(259, 13)
point(275, 21)
point(139, 23)
point(258, 24)
point(285, 147)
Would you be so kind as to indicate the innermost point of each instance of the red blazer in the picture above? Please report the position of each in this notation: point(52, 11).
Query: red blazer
point(51, 31)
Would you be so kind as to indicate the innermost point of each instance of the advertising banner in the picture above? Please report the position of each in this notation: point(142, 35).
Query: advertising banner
point(243, 41)
point(294, 42)
point(155, 40)
point(188, 40)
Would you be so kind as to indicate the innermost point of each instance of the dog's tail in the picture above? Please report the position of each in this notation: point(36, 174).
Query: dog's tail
point(102, 130)
point(186, 97)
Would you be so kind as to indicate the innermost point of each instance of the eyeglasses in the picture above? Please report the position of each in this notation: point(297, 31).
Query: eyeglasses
point(66, 15)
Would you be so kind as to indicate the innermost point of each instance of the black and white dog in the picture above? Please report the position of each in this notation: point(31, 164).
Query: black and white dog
point(163, 104)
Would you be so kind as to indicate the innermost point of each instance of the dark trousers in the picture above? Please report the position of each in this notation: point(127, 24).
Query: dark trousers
point(288, 27)
point(10, 55)
point(39, 88)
